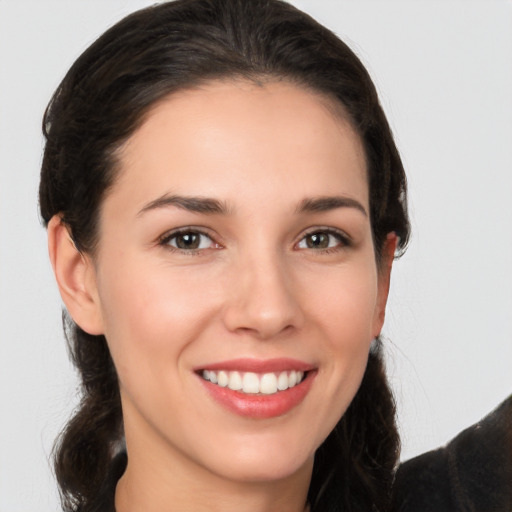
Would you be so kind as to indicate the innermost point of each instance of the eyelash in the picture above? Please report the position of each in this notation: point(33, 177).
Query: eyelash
point(165, 240)
point(342, 238)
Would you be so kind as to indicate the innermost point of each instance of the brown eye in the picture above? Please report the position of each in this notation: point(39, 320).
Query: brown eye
point(189, 241)
point(317, 241)
point(323, 240)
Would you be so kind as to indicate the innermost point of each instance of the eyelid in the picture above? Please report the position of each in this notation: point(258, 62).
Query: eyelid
point(163, 240)
point(342, 236)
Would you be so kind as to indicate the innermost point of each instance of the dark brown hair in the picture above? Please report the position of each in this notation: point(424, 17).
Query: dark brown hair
point(104, 98)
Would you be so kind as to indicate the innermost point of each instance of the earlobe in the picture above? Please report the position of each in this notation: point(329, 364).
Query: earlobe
point(75, 277)
point(384, 276)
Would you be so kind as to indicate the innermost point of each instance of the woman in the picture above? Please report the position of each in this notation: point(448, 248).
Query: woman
point(224, 200)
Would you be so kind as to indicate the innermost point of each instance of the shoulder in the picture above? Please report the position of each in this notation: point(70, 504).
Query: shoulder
point(472, 473)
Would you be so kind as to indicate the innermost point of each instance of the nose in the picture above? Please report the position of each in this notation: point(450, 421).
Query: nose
point(263, 302)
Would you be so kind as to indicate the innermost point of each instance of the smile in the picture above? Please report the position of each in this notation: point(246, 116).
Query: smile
point(254, 383)
point(259, 389)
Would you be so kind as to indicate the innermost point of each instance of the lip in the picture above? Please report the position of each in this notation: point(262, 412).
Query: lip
point(258, 365)
point(259, 406)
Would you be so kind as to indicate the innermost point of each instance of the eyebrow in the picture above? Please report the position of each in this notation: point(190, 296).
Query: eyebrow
point(210, 206)
point(326, 203)
point(203, 205)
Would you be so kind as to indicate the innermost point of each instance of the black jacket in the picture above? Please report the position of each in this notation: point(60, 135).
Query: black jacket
point(473, 473)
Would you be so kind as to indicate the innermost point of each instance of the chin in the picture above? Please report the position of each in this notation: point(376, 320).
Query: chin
point(271, 469)
point(263, 458)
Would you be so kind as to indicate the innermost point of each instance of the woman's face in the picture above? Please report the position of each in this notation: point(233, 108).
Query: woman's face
point(236, 247)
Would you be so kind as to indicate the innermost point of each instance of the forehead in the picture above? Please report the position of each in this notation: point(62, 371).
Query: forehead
point(214, 139)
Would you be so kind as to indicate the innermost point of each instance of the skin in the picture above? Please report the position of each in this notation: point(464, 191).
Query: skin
point(255, 288)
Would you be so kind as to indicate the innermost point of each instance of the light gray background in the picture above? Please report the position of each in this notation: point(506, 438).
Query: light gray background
point(444, 72)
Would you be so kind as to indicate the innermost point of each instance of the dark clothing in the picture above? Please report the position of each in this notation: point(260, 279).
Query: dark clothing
point(473, 473)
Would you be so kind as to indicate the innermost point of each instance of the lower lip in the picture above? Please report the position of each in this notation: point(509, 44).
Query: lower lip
point(260, 406)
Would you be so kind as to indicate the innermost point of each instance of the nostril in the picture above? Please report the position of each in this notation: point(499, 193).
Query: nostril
point(266, 331)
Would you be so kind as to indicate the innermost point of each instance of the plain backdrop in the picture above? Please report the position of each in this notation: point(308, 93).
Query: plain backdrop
point(444, 72)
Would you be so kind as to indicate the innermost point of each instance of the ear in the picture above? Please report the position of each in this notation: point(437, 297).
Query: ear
point(76, 278)
point(384, 275)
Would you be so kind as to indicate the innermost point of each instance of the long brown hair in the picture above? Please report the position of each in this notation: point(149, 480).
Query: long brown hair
point(102, 100)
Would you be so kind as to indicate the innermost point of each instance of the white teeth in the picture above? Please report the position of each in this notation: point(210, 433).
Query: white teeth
point(253, 383)
point(235, 381)
point(223, 379)
point(282, 381)
point(268, 384)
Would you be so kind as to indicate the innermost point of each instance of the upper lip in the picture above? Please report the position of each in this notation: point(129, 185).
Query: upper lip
point(258, 365)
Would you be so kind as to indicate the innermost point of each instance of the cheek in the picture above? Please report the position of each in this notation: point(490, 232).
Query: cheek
point(151, 316)
point(345, 303)
point(344, 314)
